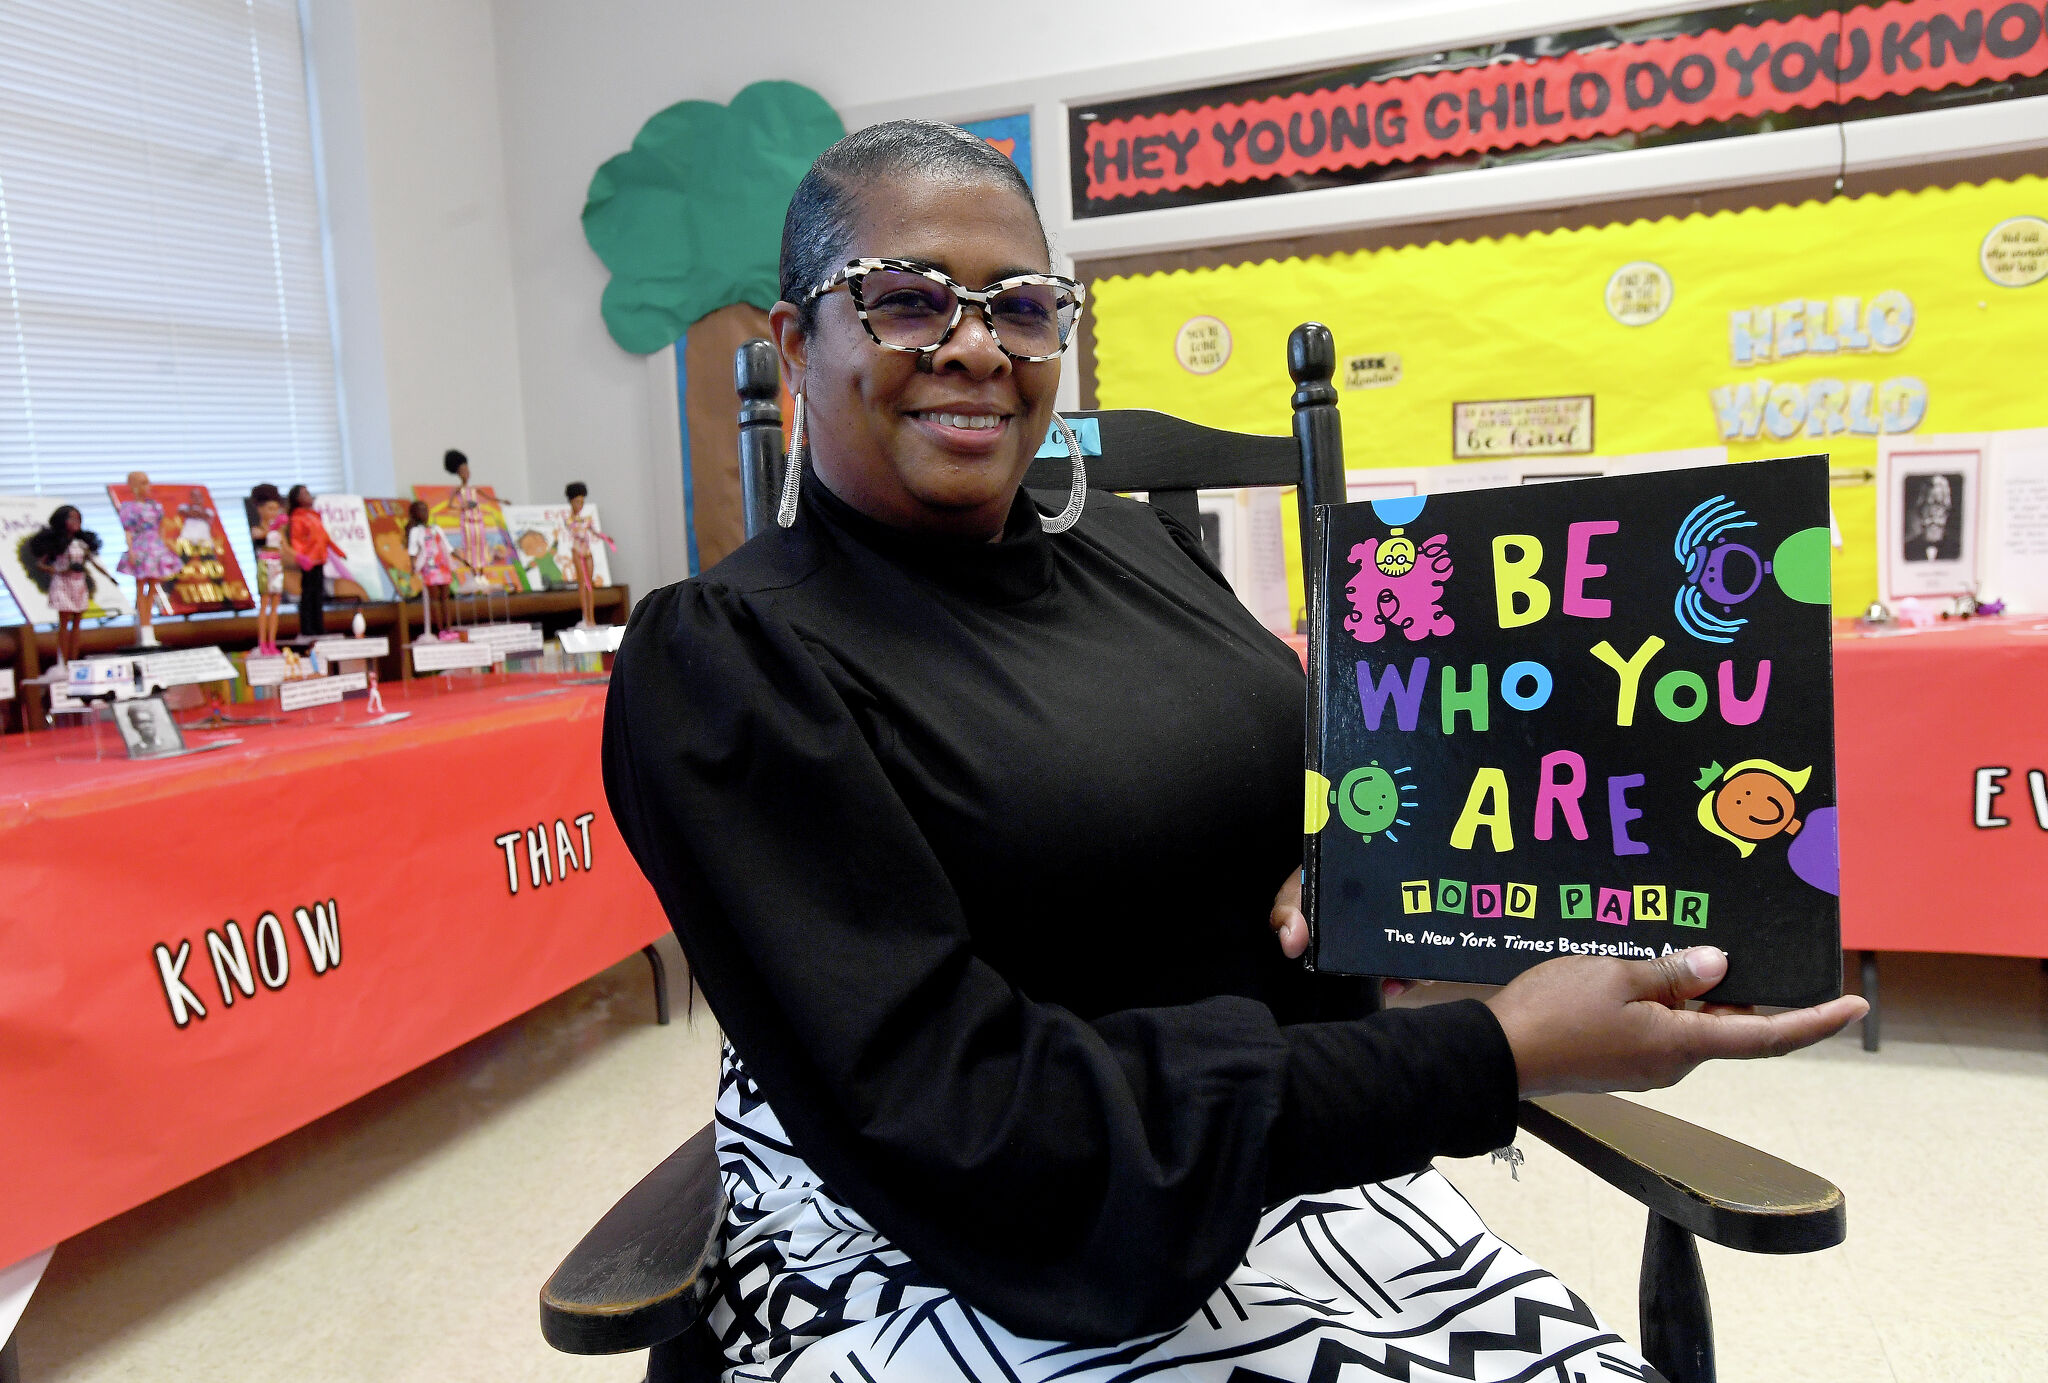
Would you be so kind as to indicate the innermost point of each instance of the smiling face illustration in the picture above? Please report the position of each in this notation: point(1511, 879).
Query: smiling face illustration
point(1755, 805)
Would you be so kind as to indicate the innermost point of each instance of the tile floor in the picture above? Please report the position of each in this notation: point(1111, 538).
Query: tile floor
point(405, 1237)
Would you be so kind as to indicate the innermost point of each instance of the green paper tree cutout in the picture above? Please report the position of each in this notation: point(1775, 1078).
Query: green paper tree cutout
point(689, 219)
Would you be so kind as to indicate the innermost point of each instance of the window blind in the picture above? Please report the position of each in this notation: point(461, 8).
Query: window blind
point(163, 288)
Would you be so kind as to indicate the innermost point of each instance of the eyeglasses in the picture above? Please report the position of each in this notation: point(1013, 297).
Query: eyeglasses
point(907, 307)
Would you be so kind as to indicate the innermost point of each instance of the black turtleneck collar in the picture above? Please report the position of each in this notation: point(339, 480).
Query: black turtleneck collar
point(1016, 566)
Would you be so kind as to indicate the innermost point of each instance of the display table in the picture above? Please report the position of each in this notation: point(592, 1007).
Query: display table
point(1917, 715)
point(28, 651)
point(204, 953)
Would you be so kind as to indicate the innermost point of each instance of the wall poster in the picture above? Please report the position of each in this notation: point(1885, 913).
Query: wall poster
point(1837, 326)
point(1711, 73)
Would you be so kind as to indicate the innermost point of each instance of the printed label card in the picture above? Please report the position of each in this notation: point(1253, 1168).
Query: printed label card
point(1591, 717)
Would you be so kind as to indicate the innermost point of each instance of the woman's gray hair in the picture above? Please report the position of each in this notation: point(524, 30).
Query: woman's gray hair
point(819, 225)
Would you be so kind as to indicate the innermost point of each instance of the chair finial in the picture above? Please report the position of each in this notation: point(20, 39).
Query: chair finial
point(756, 373)
point(1311, 361)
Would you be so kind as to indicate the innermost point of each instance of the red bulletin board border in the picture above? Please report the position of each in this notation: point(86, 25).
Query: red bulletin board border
point(1738, 72)
point(366, 875)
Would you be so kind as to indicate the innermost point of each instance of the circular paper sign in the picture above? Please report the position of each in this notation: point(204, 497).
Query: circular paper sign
point(1202, 345)
point(1638, 293)
point(2015, 254)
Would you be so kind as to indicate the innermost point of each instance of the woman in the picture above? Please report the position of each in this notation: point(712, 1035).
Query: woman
point(311, 547)
point(969, 829)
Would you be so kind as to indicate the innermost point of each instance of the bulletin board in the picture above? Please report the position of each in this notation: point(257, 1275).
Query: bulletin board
point(1776, 331)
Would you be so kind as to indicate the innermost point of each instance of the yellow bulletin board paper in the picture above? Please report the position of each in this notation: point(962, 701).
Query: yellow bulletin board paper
point(1528, 317)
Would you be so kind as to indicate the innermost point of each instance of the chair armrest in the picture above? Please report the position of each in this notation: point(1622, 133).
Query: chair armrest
point(1717, 1188)
point(638, 1277)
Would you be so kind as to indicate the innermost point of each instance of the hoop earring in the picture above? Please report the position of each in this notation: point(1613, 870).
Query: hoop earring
point(792, 469)
point(1078, 494)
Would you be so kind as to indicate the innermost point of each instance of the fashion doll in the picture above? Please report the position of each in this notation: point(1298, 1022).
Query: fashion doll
point(432, 562)
point(149, 558)
point(266, 535)
point(311, 547)
point(65, 549)
point(469, 513)
point(581, 528)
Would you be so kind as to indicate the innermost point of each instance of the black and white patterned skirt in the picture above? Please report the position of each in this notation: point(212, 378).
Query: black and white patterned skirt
point(1397, 1280)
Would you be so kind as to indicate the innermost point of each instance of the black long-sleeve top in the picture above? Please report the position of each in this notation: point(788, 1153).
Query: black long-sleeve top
point(971, 847)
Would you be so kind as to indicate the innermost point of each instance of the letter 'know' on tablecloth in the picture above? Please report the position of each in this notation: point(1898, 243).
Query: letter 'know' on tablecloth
point(1593, 717)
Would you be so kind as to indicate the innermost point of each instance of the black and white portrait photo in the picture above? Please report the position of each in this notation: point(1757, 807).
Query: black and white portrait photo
point(147, 728)
point(1929, 492)
point(1931, 512)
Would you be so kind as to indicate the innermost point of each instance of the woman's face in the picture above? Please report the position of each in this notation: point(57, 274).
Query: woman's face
point(72, 523)
point(300, 497)
point(873, 416)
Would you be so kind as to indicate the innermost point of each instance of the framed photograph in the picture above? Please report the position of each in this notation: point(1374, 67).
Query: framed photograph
point(1929, 498)
point(148, 729)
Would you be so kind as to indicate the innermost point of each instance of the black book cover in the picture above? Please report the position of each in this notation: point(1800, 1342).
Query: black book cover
point(1592, 717)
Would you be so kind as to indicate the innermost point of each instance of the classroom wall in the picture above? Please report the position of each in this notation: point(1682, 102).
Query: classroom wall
point(426, 302)
point(577, 81)
point(483, 120)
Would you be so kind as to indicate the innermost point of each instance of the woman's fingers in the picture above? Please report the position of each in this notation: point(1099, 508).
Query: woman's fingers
point(1681, 975)
point(1577, 1023)
point(1292, 929)
point(1286, 919)
point(1744, 1036)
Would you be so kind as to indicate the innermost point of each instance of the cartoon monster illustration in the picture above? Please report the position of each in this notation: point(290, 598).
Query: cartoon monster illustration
point(1756, 800)
point(1369, 800)
point(1399, 584)
point(1720, 571)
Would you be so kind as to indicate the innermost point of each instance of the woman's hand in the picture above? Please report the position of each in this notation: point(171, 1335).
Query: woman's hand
point(1286, 920)
point(1594, 1024)
point(1290, 927)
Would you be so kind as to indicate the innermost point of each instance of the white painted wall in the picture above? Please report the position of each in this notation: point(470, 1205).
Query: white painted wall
point(426, 301)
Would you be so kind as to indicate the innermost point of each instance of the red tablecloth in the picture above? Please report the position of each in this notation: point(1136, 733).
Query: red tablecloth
point(396, 892)
point(1916, 717)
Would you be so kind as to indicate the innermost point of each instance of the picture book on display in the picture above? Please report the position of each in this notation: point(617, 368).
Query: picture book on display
point(540, 538)
point(211, 577)
point(387, 518)
point(499, 566)
point(353, 569)
point(1590, 717)
point(21, 518)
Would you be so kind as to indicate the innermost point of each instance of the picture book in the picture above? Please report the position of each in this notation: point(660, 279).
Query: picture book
point(210, 578)
point(498, 565)
point(540, 538)
point(21, 518)
point(353, 571)
point(1590, 717)
point(387, 538)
